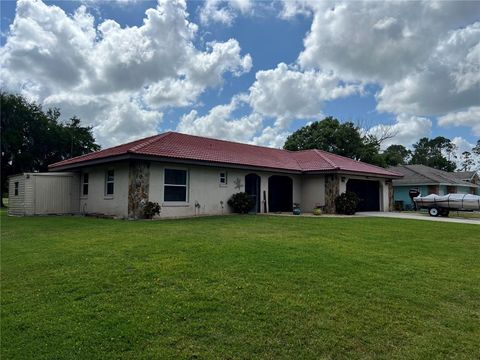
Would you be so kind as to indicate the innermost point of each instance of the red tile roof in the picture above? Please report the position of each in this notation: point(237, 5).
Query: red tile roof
point(189, 147)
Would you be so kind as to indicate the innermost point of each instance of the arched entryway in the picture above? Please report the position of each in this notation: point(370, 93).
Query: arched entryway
point(368, 192)
point(280, 193)
point(252, 188)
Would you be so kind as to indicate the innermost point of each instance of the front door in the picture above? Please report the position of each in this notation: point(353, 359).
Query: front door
point(252, 188)
point(280, 193)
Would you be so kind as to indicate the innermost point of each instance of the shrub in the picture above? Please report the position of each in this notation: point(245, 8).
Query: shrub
point(346, 203)
point(241, 203)
point(151, 209)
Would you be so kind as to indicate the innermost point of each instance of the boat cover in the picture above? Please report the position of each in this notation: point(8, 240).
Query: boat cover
point(450, 201)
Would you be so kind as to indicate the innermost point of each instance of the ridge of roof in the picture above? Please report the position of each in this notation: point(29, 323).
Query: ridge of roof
point(150, 141)
point(357, 161)
point(230, 141)
point(319, 152)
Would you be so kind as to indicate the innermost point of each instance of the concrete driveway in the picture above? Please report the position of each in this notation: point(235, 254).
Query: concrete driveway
point(413, 216)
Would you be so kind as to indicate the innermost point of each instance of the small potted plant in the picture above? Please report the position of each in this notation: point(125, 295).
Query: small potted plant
point(317, 210)
point(296, 209)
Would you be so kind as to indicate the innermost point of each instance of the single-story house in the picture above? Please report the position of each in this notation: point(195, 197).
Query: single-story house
point(427, 181)
point(190, 175)
point(468, 176)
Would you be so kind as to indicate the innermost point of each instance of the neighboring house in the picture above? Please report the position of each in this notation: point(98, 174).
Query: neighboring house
point(189, 175)
point(427, 181)
point(468, 176)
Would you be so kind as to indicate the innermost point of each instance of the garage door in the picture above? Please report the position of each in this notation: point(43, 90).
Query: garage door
point(368, 192)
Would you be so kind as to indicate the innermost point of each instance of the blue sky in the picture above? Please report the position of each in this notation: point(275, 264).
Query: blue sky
point(276, 67)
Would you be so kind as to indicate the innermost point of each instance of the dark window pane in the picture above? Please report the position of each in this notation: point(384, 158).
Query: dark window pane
point(85, 178)
point(16, 189)
point(85, 189)
point(110, 188)
point(110, 175)
point(175, 177)
point(223, 178)
point(175, 193)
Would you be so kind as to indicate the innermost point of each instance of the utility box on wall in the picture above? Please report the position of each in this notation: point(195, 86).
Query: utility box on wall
point(44, 193)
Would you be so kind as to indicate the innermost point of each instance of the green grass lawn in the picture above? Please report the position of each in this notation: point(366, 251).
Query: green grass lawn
point(239, 287)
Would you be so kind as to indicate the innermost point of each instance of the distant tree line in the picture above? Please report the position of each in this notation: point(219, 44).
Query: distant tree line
point(348, 139)
point(32, 138)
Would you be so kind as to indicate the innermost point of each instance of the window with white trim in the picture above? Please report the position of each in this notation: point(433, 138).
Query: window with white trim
point(85, 184)
point(222, 178)
point(175, 185)
point(109, 182)
point(16, 188)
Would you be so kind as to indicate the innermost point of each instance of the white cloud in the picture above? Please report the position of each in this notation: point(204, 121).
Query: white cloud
point(221, 123)
point(406, 130)
point(272, 137)
point(120, 77)
point(286, 93)
point(448, 81)
point(469, 117)
point(424, 56)
point(114, 119)
point(379, 41)
point(220, 11)
point(205, 69)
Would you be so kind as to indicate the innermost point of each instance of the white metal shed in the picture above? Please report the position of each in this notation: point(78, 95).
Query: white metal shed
point(44, 193)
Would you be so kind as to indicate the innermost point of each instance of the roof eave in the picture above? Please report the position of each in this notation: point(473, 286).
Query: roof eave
point(131, 155)
point(349, 172)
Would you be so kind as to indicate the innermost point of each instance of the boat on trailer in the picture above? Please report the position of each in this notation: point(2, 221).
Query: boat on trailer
point(442, 204)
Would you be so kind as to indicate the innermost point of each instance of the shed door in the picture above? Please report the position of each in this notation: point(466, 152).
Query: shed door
point(53, 195)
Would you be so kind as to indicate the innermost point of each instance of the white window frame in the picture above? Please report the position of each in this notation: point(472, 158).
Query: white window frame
point(83, 183)
point(109, 196)
point(187, 185)
point(220, 177)
point(16, 188)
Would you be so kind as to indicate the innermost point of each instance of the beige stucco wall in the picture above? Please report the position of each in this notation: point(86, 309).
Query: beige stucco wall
point(204, 188)
point(313, 192)
point(96, 201)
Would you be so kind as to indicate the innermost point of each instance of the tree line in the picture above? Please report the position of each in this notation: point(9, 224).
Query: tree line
point(348, 139)
point(32, 138)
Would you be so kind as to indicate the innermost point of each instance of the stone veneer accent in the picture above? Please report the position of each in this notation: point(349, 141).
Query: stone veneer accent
point(332, 190)
point(391, 201)
point(138, 187)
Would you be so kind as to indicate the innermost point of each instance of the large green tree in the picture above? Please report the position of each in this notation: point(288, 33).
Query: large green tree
point(339, 138)
point(32, 138)
point(437, 153)
point(396, 155)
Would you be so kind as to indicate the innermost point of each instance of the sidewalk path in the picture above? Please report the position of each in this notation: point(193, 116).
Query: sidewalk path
point(398, 215)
